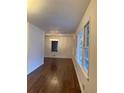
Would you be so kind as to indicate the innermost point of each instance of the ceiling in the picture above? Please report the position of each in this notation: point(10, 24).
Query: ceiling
point(62, 16)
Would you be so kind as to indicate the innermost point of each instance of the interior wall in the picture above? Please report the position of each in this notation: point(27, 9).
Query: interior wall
point(89, 86)
point(65, 44)
point(35, 48)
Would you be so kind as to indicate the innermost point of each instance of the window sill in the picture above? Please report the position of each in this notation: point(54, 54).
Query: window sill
point(85, 74)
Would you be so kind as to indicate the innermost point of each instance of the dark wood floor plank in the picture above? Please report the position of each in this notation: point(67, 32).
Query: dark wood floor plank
point(56, 75)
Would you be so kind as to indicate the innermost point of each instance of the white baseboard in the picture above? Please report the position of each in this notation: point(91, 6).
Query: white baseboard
point(79, 80)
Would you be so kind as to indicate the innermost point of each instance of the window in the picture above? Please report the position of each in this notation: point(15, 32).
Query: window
point(86, 45)
point(82, 48)
point(79, 48)
point(54, 46)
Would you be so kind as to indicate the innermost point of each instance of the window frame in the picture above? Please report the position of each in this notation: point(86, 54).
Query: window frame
point(86, 45)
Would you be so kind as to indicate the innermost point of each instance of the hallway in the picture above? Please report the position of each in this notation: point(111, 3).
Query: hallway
point(64, 32)
point(56, 75)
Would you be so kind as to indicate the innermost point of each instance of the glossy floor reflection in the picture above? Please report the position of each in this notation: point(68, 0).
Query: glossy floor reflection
point(55, 76)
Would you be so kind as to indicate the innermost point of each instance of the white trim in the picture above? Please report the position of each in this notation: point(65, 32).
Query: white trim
point(59, 35)
point(84, 72)
point(54, 39)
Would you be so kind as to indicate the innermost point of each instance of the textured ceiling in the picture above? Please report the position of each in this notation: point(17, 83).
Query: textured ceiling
point(61, 16)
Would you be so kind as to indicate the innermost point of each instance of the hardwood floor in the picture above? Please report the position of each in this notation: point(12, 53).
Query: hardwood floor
point(55, 76)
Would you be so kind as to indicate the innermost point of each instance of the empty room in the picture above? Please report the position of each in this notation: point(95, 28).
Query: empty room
point(62, 46)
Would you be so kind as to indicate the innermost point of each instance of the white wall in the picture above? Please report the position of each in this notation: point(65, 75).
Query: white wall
point(35, 48)
point(65, 46)
point(89, 86)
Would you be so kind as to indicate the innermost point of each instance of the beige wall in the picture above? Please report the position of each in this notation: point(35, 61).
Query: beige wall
point(35, 56)
point(91, 85)
point(65, 45)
